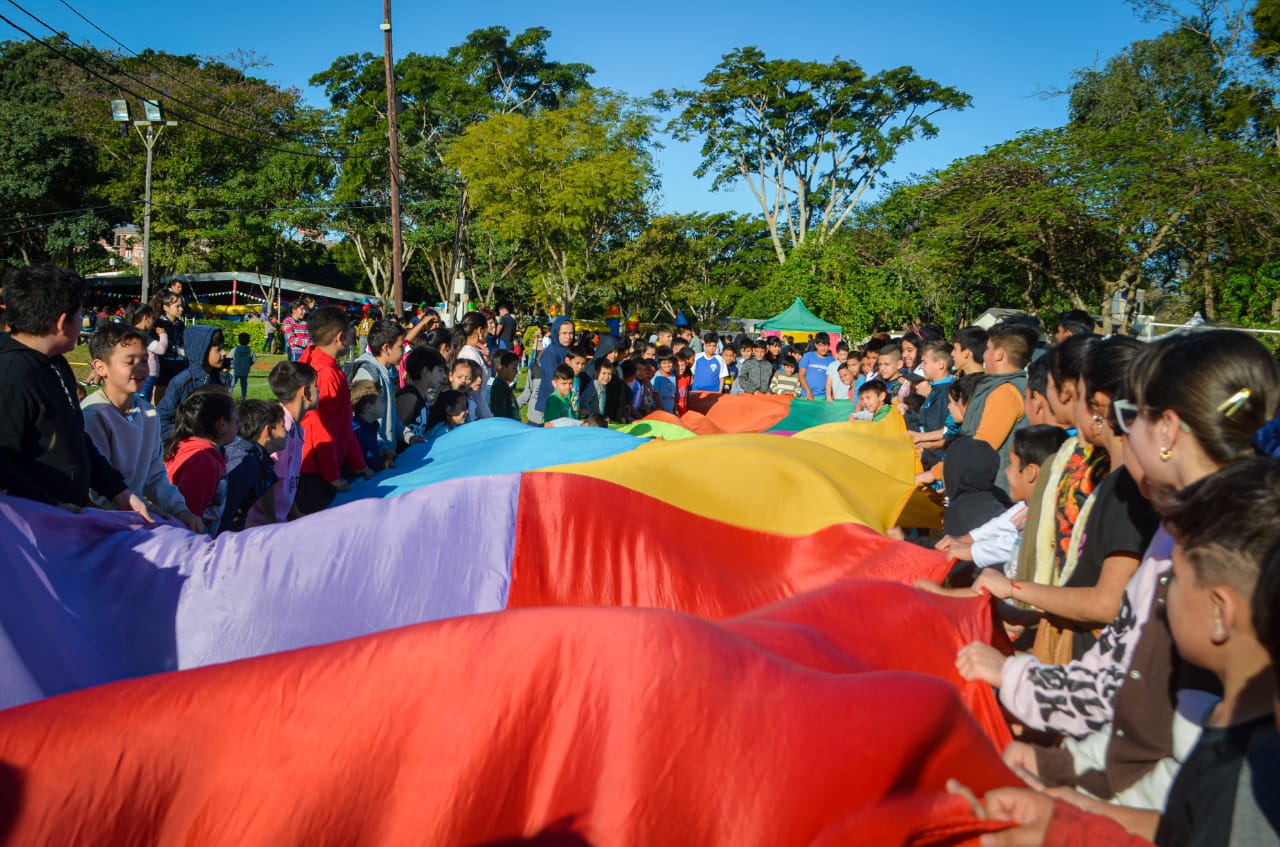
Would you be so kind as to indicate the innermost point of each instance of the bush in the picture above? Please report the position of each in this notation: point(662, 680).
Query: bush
point(231, 330)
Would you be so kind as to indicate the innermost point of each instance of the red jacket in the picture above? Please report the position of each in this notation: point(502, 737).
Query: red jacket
point(196, 470)
point(328, 440)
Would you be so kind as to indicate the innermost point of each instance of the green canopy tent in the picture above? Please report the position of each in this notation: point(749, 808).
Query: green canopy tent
point(799, 322)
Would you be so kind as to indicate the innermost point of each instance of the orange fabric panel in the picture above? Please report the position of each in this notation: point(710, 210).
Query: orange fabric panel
point(585, 541)
point(740, 412)
point(695, 422)
point(549, 726)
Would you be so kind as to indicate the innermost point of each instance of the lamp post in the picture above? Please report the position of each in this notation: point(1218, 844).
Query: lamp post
point(154, 125)
point(393, 142)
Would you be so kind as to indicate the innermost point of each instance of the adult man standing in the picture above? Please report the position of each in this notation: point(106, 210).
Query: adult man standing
point(506, 327)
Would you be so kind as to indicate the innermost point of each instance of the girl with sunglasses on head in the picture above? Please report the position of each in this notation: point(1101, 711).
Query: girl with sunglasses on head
point(1192, 405)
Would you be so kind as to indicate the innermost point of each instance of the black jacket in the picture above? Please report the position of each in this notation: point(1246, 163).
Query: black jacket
point(970, 478)
point(44, 452)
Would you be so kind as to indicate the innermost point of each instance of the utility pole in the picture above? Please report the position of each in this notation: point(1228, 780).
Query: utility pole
point(155, 125)
point(393, 140)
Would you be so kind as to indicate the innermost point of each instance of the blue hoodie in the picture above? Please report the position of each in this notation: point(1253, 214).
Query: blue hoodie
point(198, 340)
point(554, 355)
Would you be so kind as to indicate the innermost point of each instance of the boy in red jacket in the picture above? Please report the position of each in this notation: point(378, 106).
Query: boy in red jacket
point(329, 442)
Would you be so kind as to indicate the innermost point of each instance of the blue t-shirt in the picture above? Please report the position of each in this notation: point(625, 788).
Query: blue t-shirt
point(814, 369)
point(707, 373)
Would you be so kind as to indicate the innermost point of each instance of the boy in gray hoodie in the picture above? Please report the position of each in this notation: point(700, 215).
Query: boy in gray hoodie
point(755, 373)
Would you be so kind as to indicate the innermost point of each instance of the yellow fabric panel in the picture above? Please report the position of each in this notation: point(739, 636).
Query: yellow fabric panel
point(885, 446)
point(786, 485)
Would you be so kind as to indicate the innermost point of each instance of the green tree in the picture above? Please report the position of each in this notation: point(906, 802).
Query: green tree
point(808, 138)
point(559, 182)
point(838, 284)
point(490, 73)
point(701, 263)
point(48, 168)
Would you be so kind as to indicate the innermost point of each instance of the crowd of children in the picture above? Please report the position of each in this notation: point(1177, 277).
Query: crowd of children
point(1107, 495)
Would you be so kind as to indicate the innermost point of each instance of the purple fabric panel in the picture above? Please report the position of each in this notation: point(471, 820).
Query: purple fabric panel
point(97, 597)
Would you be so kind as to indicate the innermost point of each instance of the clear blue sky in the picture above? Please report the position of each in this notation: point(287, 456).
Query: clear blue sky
point(1003, 53)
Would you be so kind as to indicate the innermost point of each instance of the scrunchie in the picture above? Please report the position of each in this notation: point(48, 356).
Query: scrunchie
point(1267, 439)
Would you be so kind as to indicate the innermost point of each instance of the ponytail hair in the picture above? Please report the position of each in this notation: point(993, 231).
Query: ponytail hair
point(198, 416)
point(1108, 366)
point(1222, 383)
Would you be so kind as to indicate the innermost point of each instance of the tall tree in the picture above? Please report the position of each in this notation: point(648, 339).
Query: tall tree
point(701, 263)
point(808, 138)
point(489, 73)
point(48, 169)
point(559, 181)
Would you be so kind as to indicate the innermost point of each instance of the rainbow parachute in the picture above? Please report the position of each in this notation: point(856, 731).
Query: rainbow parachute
point(705, 639)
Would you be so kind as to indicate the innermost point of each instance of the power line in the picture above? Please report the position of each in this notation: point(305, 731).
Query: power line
point(68, 211)
point(117, 70)
point(187, 118)
point(159, 69)
point(322, 207)
point(297, 210)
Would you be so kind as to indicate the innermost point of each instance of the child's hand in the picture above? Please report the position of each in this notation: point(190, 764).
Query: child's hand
point(992, 580)
point(367, 473)
point(962, 551)
point(925, 478)
point(981, 662)
point(1030, 810)
point(388, 460)
point(341, 484)
point(927, 585)
point(945, 544)
point(1021, 759)
point(127, 501)
point(192, 522)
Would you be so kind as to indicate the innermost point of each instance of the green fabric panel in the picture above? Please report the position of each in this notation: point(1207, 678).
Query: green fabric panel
point(657, 429)
point(809, 413)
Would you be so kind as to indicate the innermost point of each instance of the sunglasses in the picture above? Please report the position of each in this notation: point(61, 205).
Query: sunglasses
point(1126, 412)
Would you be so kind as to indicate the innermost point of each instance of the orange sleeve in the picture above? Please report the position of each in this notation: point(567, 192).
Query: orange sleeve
point(1001, 414)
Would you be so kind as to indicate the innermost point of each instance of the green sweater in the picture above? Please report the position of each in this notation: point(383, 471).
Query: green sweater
point(502, 401)
point(557, 407)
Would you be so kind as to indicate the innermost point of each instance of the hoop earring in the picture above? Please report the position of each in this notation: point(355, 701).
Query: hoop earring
point(1165, 453)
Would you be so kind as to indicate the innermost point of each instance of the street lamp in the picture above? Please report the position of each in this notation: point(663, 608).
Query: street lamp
point(155, 125)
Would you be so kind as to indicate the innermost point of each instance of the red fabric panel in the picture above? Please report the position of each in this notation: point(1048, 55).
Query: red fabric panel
point(549, 726)
point(581, 541)
point(740, 412)
point(874, 625)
